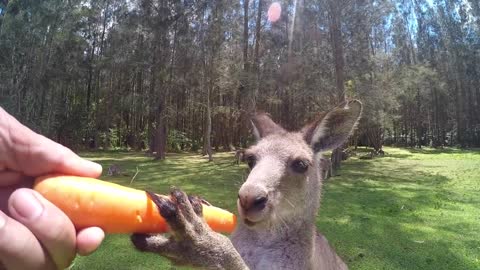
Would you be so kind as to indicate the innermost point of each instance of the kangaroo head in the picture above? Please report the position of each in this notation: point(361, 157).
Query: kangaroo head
point(284, 182)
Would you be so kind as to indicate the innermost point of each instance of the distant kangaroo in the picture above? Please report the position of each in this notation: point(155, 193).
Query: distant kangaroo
point(277, 204)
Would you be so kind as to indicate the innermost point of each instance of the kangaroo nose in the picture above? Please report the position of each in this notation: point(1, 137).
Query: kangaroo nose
point(260, 202)
point(253, 202)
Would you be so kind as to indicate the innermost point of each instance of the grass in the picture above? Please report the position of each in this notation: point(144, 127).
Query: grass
point(412, 209)
point(217, 181)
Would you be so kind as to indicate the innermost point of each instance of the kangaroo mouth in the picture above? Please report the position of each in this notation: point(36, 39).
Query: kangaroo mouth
point(254, 219)
point(249, 223)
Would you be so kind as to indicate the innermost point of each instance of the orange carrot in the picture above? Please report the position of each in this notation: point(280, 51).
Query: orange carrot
point(114, 208)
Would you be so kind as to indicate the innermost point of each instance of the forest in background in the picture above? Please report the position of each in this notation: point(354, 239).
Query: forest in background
point(171, 75)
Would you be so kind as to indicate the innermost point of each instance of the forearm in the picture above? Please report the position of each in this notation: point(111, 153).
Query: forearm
point(224, 255)
point(235, 262)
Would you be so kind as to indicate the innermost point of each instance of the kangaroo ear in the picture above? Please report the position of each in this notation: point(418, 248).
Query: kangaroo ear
point(263, 126)
point(333, 128)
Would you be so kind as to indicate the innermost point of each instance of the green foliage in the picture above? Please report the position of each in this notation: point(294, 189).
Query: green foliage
point(110, 139)
point(178, 141)
point(74, 70)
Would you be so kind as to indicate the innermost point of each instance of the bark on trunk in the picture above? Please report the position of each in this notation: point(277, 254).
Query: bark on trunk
point(207, 145)
point(337, 46)
point(160, 133)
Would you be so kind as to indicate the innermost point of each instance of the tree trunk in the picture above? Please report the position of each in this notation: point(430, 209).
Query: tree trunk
point(337, 46)
point(90, 73)
point(151, 107)
point(207, 144)
point(245, 35)
point(256, 60)
point(160, 133)
point(243, 94)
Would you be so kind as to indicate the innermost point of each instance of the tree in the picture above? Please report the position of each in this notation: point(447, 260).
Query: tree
point(162, 75)
point(335, 14)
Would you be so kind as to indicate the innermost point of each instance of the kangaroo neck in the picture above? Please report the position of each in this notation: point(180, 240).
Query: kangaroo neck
point(300, 231)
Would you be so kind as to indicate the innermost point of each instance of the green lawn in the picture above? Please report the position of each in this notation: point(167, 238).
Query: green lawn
point(412, 209)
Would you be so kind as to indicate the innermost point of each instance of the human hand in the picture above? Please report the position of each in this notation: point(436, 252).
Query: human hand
point(35, 234)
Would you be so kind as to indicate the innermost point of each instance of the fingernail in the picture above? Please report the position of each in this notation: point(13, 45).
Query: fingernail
point(27, 205)
point(3, 221)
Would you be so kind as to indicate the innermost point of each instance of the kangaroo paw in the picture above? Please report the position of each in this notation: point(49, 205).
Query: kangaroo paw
point(196, 203)
point(192, 241)
point(160, 244)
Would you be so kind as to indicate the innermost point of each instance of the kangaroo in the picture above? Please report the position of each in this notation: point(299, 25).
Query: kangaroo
point(277, 204)
point(115, 170)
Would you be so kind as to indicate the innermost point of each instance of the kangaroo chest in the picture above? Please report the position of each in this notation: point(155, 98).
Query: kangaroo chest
point(264, 253)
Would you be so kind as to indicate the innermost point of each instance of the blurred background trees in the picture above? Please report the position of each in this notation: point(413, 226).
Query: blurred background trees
point(170, 75)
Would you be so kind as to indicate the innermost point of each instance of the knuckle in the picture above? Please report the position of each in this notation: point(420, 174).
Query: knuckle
point(179, 195)
point(57, 232)
point(168, 210)
point(57, 235)
point(166, 207)
point(61, 159)
point(53, 225)
point(197, 205)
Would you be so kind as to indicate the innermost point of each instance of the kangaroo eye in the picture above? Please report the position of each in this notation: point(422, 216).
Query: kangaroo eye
point(251, 161)
point(299, 166)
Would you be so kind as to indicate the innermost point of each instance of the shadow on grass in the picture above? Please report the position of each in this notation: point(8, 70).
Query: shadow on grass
point(448, 150)
point(395, 220)
point(217, 181)
point(409, 152)
point(397, 155)
point(395, 212)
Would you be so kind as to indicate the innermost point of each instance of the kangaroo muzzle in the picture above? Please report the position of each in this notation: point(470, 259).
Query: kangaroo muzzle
point(252, 200)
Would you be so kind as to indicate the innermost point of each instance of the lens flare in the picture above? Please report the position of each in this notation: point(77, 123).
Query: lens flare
point(274, 12)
